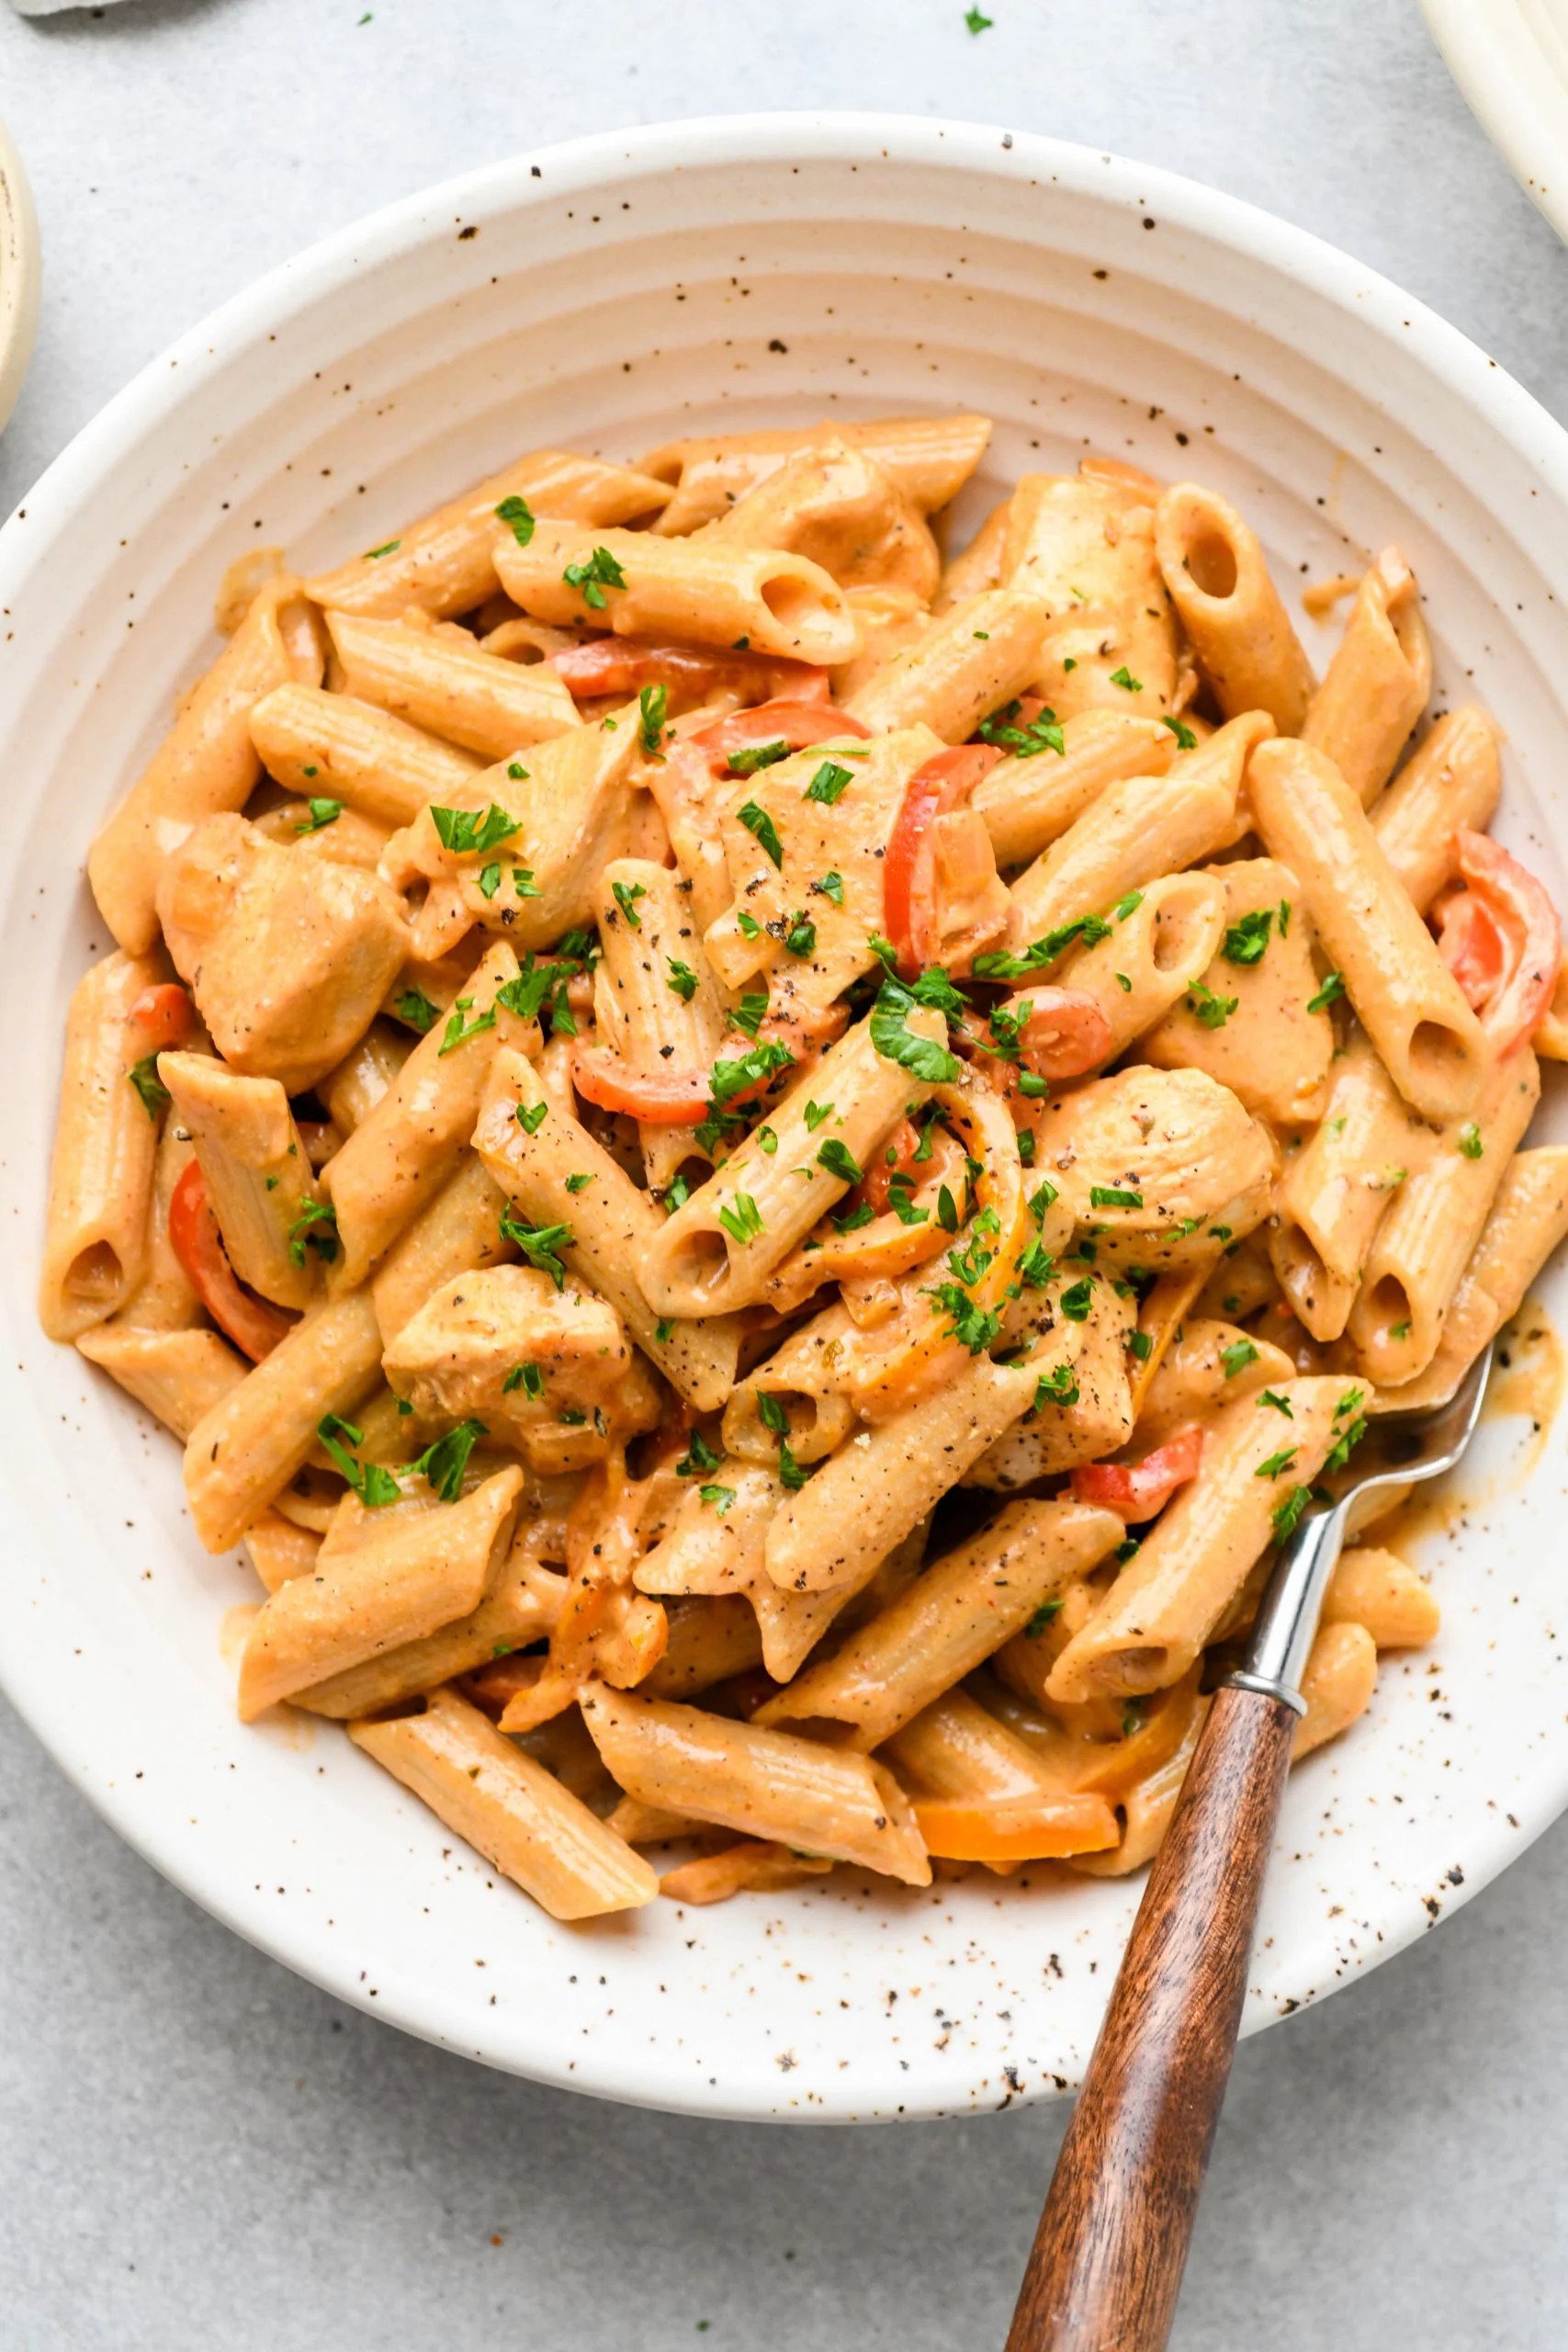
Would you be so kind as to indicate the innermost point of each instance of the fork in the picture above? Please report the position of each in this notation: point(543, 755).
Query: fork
point(1106, 2266)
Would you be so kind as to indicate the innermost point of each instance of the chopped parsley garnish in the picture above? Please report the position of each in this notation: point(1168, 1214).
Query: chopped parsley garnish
point(1470, 1141)
point(375, 1487)
point(900, 1200)
point(600, 571)
point(150, 1087)
point(946, 1210)
point(1286, 1515)
point(540, 1244)
point(1041, 733)
point(465, 830)
point(652, 702)
point(1277, 1463)
point(719, 1498)
point(793, 1475)
point(762, 830)
point(751, 1011)
point(851, 1220)
point(896, 1042)
point(1086, 930)
point(1350, 1437)
point(1040, 1618)
point(389, 547)
point(816, 1112)
point(1040, 1199)
point(800, 939)
point(1127, 906)
point(830, 783)
point(743, 1220)
point(414, 1007)
point(698, 1460)
point(625, 895)
point(977, 21)
point(316, 1226)
point(1331, 991)
point(533, 1119)
point(664, 1329)
point(1244, 942)
point(1272, 1396)
point(681, 978)
point(1212, 1011)
point(1113, 1196)
point(1236, 1358)
point(1141, 1345)
point(514, 512)
point(1125, 680)
point(526, 1377)
point(1079, 1302)
point(831, 886)
point(458, 1033)
point(322, 813)
point(1033, 1268)
point(752, 756)
point(678, 1195)
point(578, 1183)
point(1058, 1387)
point(839, 1161)
point(976, 1326)
point(444, 1463)
point(1184, 736)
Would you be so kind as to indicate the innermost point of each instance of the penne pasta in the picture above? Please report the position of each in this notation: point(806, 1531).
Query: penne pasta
point(324, 745)
point(1029, 801)
point(1135, 830)
point(1217, 578)
point(955, 1615)
point(703, 590)
point(248, 1446)
point(442, 565)
point(1450, 782)
point(381, 1579)
point(207, 764)
point(1387, 961)
point(1375, 688)
point(440, 679)
point(766, 1783)
point(965, 663)
point(105, 1143)
point(930, 458)
point(515, 1812)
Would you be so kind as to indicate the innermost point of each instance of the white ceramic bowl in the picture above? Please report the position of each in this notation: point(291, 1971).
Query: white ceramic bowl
point(612, 293)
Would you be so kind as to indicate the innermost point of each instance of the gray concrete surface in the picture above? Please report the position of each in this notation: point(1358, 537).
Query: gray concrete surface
point(199, 2154)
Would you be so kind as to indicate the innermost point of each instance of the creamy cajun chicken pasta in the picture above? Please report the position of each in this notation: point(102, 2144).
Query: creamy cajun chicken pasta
point(759, 1171)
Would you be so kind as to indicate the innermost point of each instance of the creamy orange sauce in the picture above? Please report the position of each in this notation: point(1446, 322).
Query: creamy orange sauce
point(1529, 1374)
point(234, 1632)
point(1321, 597)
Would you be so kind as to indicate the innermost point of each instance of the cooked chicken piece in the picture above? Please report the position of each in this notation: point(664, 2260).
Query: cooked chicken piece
point(549, 1371)
point(289, 957)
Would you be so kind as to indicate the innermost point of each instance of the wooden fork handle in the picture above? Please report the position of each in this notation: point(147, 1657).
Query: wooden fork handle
point(1107, 2258)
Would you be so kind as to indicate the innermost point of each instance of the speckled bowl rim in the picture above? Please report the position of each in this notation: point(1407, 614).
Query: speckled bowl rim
point(85, 1749)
